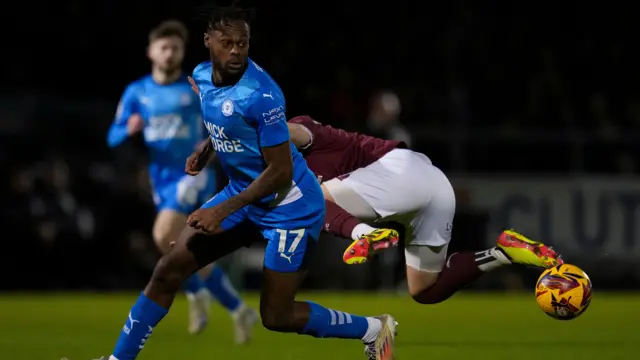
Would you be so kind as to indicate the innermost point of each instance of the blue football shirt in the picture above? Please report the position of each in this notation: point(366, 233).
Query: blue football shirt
point(241, 120)
point(173, 123)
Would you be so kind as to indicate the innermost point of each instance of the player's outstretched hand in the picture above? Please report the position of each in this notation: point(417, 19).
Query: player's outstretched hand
point(194, 87)
point(207, 220)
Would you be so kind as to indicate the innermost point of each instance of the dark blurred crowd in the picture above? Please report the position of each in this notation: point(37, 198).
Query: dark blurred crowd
point(480, 87)
point(74, 225)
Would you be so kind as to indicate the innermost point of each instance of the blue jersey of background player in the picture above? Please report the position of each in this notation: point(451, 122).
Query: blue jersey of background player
point(163, 107)
point(270, 187)
point(171, 125)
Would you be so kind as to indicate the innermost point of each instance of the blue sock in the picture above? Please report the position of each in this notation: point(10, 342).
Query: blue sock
point(193, 284)
point(143, 317)
point(331, 323)
point(221, 288)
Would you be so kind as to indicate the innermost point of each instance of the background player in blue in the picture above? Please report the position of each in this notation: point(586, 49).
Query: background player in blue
point(269, 187)
point(163, 107)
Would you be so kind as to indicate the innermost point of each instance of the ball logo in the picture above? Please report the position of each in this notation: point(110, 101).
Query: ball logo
point(227, 108)
point(560, 283)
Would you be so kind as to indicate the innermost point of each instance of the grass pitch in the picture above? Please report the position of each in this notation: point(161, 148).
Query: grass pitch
point(468, 326)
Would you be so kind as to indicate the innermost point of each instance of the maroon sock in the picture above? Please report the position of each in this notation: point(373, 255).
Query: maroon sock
point(460, 270)
point(338, 221)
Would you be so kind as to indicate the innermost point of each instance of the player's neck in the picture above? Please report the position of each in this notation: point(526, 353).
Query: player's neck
point(165, 77)
point(219, 79)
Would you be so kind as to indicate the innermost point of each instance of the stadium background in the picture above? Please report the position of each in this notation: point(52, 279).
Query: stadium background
point(533, 113)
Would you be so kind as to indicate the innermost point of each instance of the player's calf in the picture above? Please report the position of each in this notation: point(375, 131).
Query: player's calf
point(278, 309)
point(434, 276)
point(187, 256)
point(154, 303)
point(166, 230)
point(169, 274)
point(428, 285)
point(280, 312)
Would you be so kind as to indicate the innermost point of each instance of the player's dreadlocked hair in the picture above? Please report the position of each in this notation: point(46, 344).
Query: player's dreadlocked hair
point(216, 17)
point(169, 28)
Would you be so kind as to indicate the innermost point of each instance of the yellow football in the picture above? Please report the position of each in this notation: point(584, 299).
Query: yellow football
point(563, 292)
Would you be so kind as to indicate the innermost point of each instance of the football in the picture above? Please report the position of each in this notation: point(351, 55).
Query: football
point(564, 292)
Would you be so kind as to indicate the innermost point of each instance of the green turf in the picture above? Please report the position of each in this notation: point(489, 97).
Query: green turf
point(83, 327)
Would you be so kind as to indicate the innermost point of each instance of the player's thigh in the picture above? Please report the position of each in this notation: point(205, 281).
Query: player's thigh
point(344, 196)
point(427, 239)
point(432, 224)
point(424, 264)
point(207, 249)
point(232, 220)
point(288, 250)
point(326, 193)
point(167, 227)
point(180, 255)
point(174, 201)
point(286, 260)
point(192, 251)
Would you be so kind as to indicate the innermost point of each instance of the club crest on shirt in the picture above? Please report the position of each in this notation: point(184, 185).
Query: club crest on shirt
point(227, 108)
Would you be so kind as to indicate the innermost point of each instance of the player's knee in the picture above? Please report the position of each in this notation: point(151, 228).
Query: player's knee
point(277, 320)
point(171, 271)
point(421, 285)
point(161, 238)
point(423, 297)
point(276, 315)
point(167, 228)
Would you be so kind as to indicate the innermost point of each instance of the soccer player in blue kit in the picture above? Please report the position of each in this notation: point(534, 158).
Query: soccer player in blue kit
point(270, 187)
point(163, 107)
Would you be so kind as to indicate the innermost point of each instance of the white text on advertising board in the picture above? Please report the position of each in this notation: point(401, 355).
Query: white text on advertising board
point(591, 217)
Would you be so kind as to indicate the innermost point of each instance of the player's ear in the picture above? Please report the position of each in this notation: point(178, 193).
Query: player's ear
point(206, 40)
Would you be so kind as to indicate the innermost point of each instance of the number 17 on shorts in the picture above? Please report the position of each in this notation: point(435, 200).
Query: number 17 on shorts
point(286, 249)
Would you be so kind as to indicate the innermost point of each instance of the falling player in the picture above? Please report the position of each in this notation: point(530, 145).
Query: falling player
point(386, 181)
point(269, 187)
point(162, 107)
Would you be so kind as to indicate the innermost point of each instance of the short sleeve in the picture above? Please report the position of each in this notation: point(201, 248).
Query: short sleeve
point(270, 117)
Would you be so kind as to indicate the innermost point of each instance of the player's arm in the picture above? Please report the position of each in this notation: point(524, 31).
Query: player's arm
point(300, 136)
point(270, 120)
point(207, 149)
point(199, 158)
point(127, 107)
point(305, 132)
